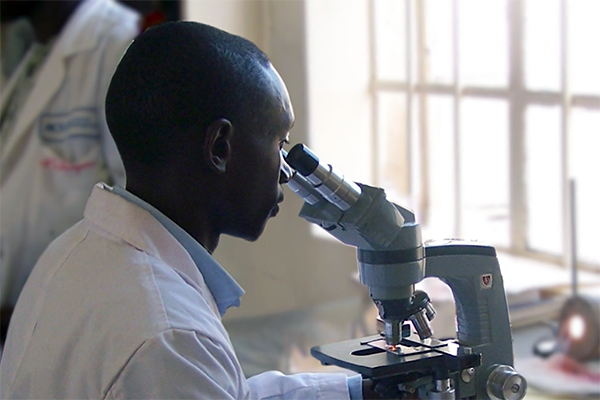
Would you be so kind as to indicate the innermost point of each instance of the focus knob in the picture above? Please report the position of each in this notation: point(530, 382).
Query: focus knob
point(504, 383)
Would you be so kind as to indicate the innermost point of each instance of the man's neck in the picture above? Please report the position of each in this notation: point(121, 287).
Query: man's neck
point(173, 206)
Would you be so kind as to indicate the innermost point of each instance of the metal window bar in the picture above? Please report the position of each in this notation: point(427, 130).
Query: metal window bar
point(409, 92)
point(518, 202)
point(423, 141)
point(458, 231)
point(531, 97)
point(374, 98)
point(565, 133)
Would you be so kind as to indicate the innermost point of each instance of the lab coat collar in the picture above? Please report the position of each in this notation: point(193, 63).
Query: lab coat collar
point(223, 287)
point(144, 227)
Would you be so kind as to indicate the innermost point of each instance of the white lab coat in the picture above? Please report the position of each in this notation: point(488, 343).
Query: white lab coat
point(117, 308)
point(60, 146)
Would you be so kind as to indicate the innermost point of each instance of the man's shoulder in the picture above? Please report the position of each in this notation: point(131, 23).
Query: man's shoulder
point(65, 242)
point(145, 284)
point(116, 303)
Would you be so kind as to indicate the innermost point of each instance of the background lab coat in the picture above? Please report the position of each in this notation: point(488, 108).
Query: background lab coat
point(60, 146)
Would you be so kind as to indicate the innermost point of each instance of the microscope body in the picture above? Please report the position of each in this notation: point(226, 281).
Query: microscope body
point(406, 360)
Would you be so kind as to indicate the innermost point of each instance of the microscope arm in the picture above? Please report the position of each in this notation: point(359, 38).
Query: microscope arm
point(472, 272)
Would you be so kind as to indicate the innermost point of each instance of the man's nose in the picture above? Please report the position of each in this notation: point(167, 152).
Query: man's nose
point(285, 171)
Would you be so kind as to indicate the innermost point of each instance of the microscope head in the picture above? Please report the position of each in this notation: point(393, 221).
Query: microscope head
point(387, 238)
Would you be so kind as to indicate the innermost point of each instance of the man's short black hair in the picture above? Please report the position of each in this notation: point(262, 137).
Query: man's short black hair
point(177, 78)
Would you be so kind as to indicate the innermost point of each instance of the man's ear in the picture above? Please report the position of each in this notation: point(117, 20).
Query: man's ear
point(217, 144)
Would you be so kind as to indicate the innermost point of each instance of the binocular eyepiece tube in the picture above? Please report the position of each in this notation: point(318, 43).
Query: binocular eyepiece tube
point(321, 178)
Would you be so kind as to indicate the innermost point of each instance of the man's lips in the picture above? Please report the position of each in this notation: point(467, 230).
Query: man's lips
point(275, 211)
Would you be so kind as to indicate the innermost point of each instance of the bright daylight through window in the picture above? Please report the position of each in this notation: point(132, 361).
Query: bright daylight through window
point(501, 101)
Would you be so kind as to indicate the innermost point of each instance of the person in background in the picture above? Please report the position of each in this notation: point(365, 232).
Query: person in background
point(15, 38)
point(128, 302)
point(57, 61)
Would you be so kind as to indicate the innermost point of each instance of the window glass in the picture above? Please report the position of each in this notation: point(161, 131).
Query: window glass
point(441, 149)
point(484, 167)
point(483, 42)
point(339, 102)
point(585, 170)
point(584, 53)
point(393, 162)
point(390, 39)
point(542, 44)
point(439, 46)
point(543, 179)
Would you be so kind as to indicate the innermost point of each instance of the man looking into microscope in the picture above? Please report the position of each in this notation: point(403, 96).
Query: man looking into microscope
point(128, 302)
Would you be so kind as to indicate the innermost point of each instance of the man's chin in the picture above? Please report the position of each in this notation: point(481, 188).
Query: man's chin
point(252, 235)
point(253, 231)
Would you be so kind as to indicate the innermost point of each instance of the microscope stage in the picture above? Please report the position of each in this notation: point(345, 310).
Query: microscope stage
point(369, 357)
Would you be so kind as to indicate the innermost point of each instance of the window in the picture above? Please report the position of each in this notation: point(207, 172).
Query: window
point(486, 115)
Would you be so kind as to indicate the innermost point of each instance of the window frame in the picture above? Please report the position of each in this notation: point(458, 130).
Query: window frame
point(518, 98)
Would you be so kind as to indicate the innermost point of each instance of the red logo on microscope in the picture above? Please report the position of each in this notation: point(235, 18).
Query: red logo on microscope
point(486, 281)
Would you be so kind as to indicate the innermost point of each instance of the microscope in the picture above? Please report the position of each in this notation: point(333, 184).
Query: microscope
point(405, 360)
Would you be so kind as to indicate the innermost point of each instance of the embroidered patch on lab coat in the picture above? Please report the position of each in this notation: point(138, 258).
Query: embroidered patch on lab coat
point(82, 122)
point(73, 137)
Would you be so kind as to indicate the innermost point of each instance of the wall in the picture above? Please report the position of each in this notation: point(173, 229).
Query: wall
point(288, 267)
point(240, 17)
point(340, 104)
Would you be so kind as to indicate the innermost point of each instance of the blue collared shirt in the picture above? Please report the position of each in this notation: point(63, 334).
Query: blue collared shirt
point(225, 290)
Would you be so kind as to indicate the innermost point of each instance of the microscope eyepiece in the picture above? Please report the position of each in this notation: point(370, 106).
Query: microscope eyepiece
point(321, 178)
point(302, 159)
